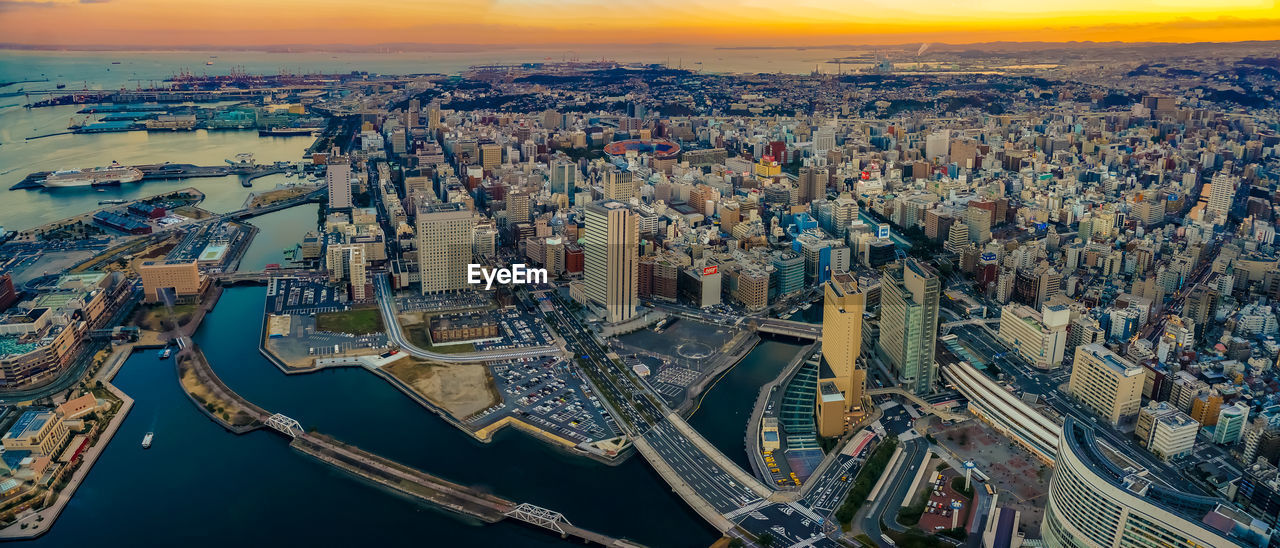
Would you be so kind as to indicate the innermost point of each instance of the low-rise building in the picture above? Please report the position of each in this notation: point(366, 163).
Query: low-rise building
point(37, 430)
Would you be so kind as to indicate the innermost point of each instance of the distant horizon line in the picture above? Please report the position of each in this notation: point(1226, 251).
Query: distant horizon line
point(455, 47)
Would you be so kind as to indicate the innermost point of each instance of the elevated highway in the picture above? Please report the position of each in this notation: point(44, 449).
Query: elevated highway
point(788, 328)
point(924, 405)
point(386, 303)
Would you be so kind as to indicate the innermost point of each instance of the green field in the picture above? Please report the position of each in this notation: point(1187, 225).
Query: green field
point(361, 321)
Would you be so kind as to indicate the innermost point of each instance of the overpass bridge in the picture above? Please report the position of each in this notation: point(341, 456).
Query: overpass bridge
point(789, 328)
point(263, 276)
point(924, 405)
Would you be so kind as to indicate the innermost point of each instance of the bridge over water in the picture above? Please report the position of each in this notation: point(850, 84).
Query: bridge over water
point(386, 472)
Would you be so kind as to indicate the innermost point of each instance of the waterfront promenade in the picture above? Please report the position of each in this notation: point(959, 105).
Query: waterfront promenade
point(38, 522)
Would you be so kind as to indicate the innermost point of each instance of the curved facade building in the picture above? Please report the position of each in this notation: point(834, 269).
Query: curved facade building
point(1095, 502)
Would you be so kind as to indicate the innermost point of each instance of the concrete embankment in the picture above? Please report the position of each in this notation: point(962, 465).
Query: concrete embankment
point(230, 410)
point(403, 479)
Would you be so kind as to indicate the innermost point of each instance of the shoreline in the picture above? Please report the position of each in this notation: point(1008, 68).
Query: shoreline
point(49, 515)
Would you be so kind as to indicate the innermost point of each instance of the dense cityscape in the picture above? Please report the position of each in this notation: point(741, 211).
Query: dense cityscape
point(988, 295)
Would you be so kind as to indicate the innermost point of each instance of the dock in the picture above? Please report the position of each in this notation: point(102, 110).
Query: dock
point(151, 172)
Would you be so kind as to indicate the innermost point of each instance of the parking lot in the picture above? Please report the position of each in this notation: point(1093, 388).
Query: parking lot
point(463, 300)
point(518, 329)
point(546, 393)
point(300, 296)
point(301, 299)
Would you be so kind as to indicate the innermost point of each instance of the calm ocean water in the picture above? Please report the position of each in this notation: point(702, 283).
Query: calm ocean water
point(20, 155)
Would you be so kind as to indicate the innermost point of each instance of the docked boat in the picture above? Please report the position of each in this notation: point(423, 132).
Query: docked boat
point(146, 440)
point(113, 174)
point(286, 131)
point(164, 354)
point(112, 201)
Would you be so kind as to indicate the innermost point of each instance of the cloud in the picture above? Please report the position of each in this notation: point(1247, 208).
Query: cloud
point(94, 1)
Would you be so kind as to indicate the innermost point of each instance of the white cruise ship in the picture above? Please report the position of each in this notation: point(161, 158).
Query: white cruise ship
point(113, 174)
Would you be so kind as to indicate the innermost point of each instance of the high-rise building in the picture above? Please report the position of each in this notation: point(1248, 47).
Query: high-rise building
point(936, 145)
point(978, 221)
point(444, 234)
point(517, 208)
point(564, 178)
point(842, 309)
point(8, 294)
point(1105, 383)
point(812, 184)
point(612, 258)
point(413, 118)
point(347, 262)
point(957, 237)
point(1165, 430)
point(1222, 191)
point(619, 185)
point(1041, 337)
point(910, 291)
point(1231, 421)
point(1096, 502)
point(338, 177)
point(167, 279)
point(490, 155)
point(433, 116)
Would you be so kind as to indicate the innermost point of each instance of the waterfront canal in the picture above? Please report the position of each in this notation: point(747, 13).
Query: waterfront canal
point(276, 232)
point(201, 486)
point(722, 415)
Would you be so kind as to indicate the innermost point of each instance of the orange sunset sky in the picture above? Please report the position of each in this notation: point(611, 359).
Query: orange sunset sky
point(706, 22)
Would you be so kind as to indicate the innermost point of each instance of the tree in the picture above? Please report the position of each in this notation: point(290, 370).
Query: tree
point(736, 543)
point(765, 539)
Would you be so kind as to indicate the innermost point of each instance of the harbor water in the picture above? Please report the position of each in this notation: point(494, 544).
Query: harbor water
point(205, 487)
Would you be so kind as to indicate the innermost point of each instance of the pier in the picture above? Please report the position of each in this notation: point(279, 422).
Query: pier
point(173, 171)
point(390, 474)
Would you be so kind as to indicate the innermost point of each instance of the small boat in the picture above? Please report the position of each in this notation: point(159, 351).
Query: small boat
point(146, 440)
point(210, 63)
point(115, 62)
point(62, 86)
point(164, 354)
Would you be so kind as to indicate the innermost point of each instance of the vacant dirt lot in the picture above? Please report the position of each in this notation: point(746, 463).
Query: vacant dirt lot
point(460, 389)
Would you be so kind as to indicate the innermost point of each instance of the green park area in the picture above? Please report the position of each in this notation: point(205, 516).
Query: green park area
point(359, 321)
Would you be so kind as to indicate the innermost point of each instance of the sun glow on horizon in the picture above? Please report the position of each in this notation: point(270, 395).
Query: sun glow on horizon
point(705, 22)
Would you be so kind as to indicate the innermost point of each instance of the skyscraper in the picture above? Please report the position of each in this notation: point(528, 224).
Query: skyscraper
point(433, 116)
point(338, 177)
point(1222, 190)
point(444, 246)
point(843, 306)
point(612, 258)
point(910, 291)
